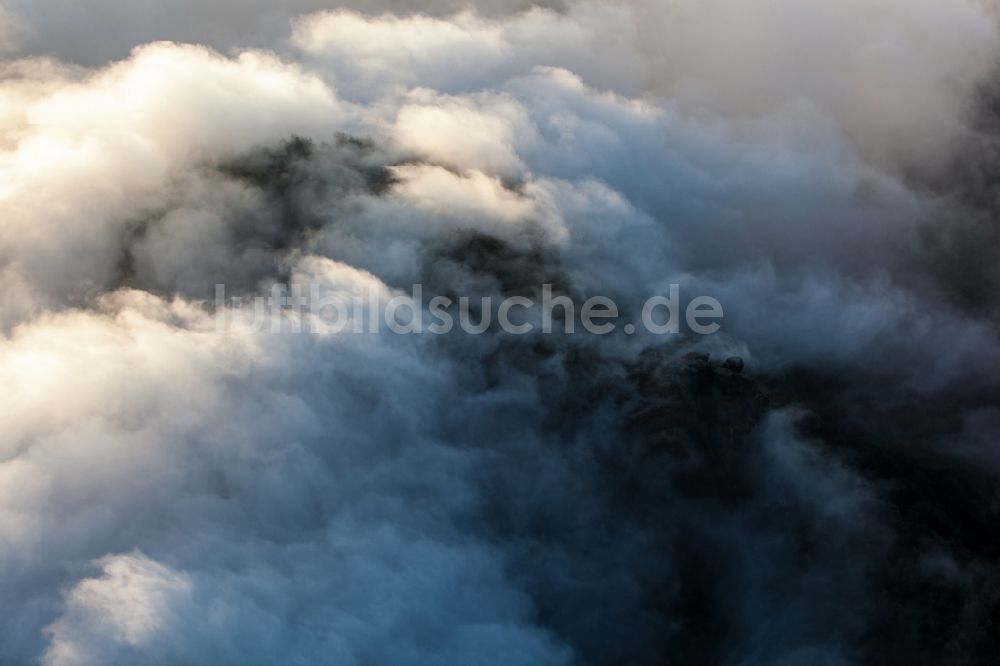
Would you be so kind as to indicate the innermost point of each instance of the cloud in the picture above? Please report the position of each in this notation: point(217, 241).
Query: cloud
point(127, 606)
point(177, 491)
point(896, 76)
point(108, 29)
point(466, 52)
point(91, 157)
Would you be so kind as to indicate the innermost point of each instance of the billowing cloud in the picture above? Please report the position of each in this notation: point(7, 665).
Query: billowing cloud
point(191, 481)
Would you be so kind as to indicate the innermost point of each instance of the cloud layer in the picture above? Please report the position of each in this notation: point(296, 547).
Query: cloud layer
point(176, 492)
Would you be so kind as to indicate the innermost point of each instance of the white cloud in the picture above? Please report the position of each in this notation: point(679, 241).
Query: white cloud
point(256, 498)
point(128, 605)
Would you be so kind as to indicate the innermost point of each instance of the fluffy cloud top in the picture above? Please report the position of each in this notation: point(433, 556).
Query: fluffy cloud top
point(175, 491)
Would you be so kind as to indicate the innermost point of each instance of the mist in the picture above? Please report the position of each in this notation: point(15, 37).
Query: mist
point(815, 483)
